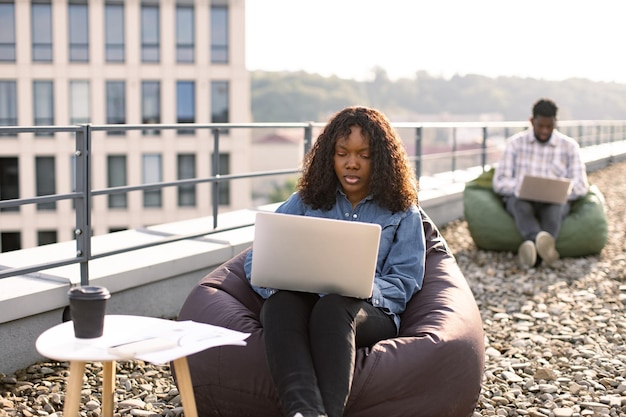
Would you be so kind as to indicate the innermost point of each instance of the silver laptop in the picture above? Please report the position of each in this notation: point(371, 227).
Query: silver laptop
point(545, 190)
point(310, 254)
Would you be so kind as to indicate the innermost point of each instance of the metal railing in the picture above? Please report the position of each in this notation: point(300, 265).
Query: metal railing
point(449, 154)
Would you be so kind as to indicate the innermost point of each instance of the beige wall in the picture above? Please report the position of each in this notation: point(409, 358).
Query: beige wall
point(28, 221)
point(275, 151)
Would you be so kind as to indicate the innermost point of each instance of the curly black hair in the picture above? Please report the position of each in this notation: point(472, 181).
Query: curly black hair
point(393, 184)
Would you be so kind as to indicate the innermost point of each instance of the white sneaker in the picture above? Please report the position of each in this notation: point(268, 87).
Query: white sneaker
point(527, 254)
point(298, 415)
point(546, 247)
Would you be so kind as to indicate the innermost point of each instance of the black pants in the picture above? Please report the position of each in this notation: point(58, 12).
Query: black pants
point(311, 344)
point(532, 217)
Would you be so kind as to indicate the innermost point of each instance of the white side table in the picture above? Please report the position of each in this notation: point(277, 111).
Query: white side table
point(186, 338)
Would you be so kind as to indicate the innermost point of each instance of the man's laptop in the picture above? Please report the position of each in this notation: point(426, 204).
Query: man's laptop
point(311, 254)
point(545, 190)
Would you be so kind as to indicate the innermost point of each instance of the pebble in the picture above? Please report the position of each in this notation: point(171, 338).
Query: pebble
point(555, 337)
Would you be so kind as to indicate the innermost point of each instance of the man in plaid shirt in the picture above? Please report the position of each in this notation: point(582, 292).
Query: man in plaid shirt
point(541, 150)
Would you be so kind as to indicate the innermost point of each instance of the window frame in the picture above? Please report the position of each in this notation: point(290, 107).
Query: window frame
point(117, 176)
point(185, 105)
point(7, 33)
point(220, 34)
point(150, 99)
point(79, 102)
point(45, 180)
point(114, 35)
point(185, 34)
point(78, 32)
point(152, 198)
point(9, 181)
point(186, 169)
point(115, 104)
point(223, 187)
point(150, 33)
point(221, 100)
point(8, 104)
point(41, 32)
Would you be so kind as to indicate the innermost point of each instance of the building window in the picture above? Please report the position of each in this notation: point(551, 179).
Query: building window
point(43, 105)
point(7, 32)
point(41, 27)
point(150, 33)
point(9, 181)
point(219, 34)
point(185, 34)
point(150, 105)
point(223, 188)
point(10, 241)
point(185, 105)
point(114, 32)
point(79, 102)
point(116, 177)
point(45, 237)
point(219, 102)
point(8, 104)
point(116, 104)
point(186, 170)
point(151, 173)
point(45, 180)
point(78, 31)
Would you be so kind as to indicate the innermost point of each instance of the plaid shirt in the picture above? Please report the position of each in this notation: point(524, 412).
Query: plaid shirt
point(558, 158)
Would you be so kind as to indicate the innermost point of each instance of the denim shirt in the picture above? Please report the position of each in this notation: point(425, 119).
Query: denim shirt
point(401, 254)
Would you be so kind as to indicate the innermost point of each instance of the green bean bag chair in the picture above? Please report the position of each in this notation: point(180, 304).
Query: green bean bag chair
point(584, 230)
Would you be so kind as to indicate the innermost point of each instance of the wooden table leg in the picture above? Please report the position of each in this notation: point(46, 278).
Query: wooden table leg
point(74, 387)
point(185, 387)
point(108, 384)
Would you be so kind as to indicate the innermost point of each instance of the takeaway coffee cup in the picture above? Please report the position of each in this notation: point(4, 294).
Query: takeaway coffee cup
point(87, 309)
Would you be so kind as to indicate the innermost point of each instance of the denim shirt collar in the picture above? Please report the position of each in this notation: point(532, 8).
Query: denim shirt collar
point(340, 191)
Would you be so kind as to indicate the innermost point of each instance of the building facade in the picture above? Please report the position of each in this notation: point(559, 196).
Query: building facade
point(67, 62)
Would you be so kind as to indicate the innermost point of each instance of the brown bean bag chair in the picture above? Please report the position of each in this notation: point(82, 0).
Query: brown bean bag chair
point(433, 368)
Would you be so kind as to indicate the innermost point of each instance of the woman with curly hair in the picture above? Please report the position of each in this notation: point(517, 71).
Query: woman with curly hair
point(357, 170)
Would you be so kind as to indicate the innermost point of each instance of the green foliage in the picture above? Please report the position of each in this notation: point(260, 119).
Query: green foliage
point(301, 96)
point(283, 191)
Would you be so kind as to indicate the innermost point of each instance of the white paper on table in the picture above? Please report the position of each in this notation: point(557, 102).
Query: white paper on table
point(176, 338)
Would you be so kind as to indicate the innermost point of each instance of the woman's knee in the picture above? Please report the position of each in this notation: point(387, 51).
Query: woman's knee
point(334, 302)
point(335, 309)
point(286, 303)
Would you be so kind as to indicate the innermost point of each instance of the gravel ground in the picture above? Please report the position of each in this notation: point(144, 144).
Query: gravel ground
point(554, 337)
point(555, 343)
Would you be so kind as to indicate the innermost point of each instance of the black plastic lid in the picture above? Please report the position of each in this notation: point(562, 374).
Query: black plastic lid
point(89, 293)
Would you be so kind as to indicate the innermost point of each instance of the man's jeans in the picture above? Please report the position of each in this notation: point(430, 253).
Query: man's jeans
point(532, 217)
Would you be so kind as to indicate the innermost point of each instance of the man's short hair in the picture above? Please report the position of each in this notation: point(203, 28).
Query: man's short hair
point(545, 108)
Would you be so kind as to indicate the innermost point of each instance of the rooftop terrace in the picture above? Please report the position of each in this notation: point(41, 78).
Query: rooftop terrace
point(150, 271)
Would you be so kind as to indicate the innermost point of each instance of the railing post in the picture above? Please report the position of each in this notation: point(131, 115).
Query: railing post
point(483, 155)
point(83, 203)
point(308, 137)
point(418, 152)
point(215, 172)
point(453, 167)
point(581, 137)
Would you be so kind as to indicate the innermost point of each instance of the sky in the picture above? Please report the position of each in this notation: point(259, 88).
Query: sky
point(542, 39)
